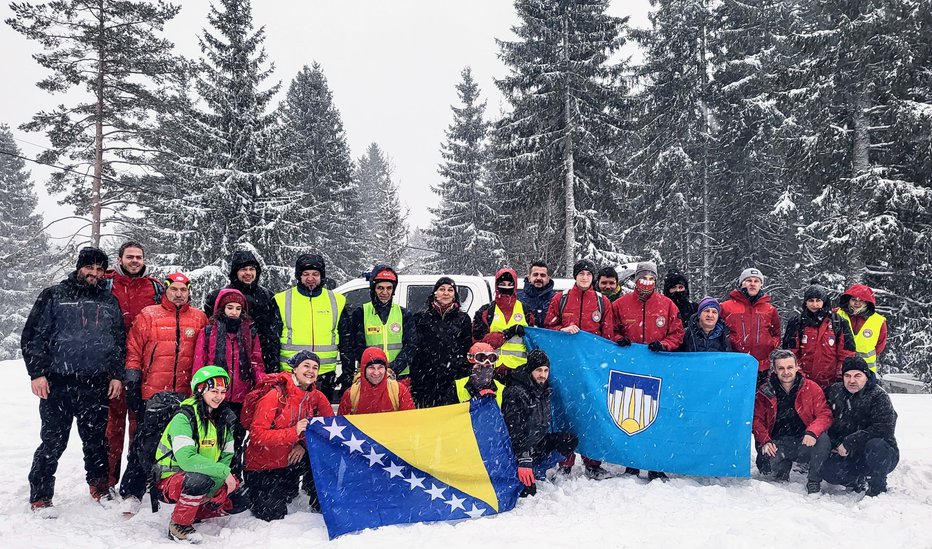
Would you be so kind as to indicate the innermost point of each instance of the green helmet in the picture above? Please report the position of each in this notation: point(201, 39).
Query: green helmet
point(208, 372)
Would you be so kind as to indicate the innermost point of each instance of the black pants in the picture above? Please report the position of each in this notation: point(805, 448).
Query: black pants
point(270, 491)
point(873, 463)
point(791, 449)
point(136, 477)
point(239, 437)
point(71, 398)
point(326, 384)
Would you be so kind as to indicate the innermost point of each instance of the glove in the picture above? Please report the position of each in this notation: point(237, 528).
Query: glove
point(526, 476)
point(487, 393)
point(656, 346)
point(134, 400)
point(624, 342)
point(519, 330)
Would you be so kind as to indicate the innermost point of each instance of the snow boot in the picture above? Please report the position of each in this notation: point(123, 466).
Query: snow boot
point(130, 506)
point(632, 471)
point(813, 487)
point(857, 486)
point(101, 494)
point(597, 473)
point(44, 509)
point(875, 487)
point(652, 475)
point(183, 532)
point(565, 470)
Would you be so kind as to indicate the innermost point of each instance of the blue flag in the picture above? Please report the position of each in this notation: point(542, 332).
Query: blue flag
point(686, 413)
point(445, 463)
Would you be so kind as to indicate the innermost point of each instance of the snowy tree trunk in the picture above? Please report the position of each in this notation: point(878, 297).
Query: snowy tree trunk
point(98, 133)
point(569, 234)
point(706, 128)
point(860, 158)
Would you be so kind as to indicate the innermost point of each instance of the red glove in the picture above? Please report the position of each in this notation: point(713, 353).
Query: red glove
point(526, 475)
point(487, 393)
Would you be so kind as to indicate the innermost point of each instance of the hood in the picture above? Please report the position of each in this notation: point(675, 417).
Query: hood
point(672, 278)
point(514, 277)
point(861, 292)
point(118, 270)
point(522, 376)
point(373, 354)
point(218, 310)
point(376, 269)
point(441, 281)
point(240, 259)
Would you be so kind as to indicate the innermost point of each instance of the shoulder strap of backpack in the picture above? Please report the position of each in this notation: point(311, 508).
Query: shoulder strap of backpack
point(354, 393)
point(393, 393)
point(565, 295)
point(188, 412)
point(158, 289)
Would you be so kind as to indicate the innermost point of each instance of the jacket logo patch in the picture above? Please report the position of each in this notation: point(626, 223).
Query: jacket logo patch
point(661, 321)
point(373, 329)
point(868, 332)
point(633, 400)
point(596, 316)
point(189, 332)
point(518, 317)
point(805, 339)
point(831, 341)
point(395, 328)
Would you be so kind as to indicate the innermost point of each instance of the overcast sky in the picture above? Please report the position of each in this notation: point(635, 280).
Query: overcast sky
point(392, 67)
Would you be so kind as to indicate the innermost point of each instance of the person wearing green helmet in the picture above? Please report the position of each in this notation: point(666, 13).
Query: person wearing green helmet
point(194, 456)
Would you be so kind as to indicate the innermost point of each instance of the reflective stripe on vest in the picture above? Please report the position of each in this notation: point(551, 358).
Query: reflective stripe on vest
point(865, 341)
point(388, 336)
point(310, 324)
point(463, 395)
point(512, 353)
point(209, 444)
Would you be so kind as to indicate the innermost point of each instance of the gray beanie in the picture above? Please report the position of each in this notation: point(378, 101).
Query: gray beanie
point(749, 272)
point(645, 268)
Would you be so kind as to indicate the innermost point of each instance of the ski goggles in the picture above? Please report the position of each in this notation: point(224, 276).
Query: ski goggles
point(485, 357)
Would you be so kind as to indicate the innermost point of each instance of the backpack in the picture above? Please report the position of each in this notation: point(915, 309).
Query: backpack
point(356, 387)
point(248, 414)
point(160, 409)
point(566, 295)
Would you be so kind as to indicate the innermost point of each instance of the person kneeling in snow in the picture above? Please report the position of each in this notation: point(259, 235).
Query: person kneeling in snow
point(526, 407)
point(480, 383)
point(276, 452)
point(375, 389)
point(194, 456)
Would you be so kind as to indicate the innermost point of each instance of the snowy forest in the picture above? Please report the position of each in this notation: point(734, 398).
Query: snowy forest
point(789, 135)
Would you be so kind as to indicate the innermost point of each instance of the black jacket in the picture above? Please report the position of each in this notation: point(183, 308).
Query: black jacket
point(75, 329)
point(536, 301)
point(262, 308)
point(861, 416)
point(697, 341)
point(526, 407)
point(443, 341)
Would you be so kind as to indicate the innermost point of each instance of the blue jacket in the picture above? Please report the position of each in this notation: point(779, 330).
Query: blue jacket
point(536, 301)
point(75, 329)
point(697, 341)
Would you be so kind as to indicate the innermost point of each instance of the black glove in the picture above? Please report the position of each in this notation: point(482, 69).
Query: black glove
point(656, 346)
point(134, 400)
point(509, 333)
point(519, 330)
point(624, 342)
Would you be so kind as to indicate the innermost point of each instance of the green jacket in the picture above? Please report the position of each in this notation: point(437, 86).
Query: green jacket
point(209, 453)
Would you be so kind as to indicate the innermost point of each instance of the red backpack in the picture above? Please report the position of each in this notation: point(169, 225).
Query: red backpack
point(252, 399)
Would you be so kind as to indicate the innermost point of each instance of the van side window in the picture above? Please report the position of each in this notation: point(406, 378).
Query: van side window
point(356, 298)
point(417, 297)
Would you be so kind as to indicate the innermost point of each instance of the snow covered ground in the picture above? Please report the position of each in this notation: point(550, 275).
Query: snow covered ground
point(574, 512)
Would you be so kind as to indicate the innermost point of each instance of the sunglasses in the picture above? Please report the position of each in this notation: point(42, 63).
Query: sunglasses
point(485, 357)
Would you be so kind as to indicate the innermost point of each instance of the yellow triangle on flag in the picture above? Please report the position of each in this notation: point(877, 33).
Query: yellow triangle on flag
point(439, 441)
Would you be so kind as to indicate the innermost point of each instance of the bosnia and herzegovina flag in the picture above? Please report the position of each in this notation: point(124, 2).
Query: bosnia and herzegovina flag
point(445, 463)
point(686, 413)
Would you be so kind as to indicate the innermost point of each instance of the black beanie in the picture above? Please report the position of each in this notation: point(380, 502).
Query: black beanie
point(309, 261)
point(584, 265)
point(815, 291)
point(536, 359)
point(856, 363)
point(92, 256)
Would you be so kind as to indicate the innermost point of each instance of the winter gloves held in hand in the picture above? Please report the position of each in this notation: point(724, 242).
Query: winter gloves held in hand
point(514, 331)
point(656, 346)
point(526, 476)
point(624, 342)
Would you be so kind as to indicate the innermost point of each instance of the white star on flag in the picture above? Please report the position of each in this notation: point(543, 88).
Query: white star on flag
point(335, 430)
point(373, 456)
point(455, 502)
point(354, 444)
point(394, 470)
point(317, 419)
point(475, 512)
point(436, 492)
point(415, 480)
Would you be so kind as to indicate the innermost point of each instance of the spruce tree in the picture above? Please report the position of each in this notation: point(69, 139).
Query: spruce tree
point(384, 220)
point(554, 150)
point(114, 52)
point(322, 210)
point(460, 235)
point(24, 253)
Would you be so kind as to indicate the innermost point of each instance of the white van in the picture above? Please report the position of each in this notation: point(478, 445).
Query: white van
point(412, 292)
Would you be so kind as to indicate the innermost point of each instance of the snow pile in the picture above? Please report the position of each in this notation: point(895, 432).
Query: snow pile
point(573, 512)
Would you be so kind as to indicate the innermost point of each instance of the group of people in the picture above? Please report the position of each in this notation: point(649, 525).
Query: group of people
point(103, 347)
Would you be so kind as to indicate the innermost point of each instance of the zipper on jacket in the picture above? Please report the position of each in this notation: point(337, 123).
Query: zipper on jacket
point(177, 346)
point(582, 299)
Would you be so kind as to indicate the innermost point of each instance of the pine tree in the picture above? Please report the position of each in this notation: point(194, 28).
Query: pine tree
point(553, 151)
point(323, 198)
point(384, 227)
point(218, 163)
point(460, 235)
point(24, 251)
point(114, 52)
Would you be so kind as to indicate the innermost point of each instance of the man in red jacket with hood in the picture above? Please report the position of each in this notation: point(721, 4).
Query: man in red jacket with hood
point(501, 324)
point(754, 323)
point(791, 421)
point(869, 328)
point(134, 290)
point(375, 390)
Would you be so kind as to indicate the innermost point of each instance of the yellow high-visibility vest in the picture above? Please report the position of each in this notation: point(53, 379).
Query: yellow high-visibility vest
point(513, 353)
point(865, 341)
point(463, 395)
point(310, 324)
point(387, 336)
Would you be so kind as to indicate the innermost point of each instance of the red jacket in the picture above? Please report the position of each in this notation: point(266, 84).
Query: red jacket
point(755, 328)
point(582, 309)
point(272, 434)
point(810, 405)
point(374, 399)
point(820, 350)
point(656, 319)
point(134, 293)
point(161, 345)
